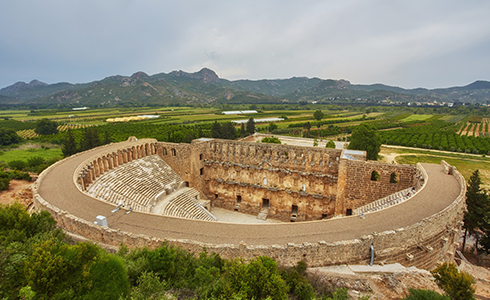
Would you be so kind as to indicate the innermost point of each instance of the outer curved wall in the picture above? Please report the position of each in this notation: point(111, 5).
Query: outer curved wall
point(422, 244)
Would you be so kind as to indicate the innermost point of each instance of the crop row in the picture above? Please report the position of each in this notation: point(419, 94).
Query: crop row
point(27, 133)
point(444, 140)
point(71, 126)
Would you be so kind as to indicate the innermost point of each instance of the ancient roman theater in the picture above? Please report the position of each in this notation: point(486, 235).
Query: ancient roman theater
point(331, 206)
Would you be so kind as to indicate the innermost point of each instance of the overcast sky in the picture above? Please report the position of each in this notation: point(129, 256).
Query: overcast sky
point(415, 43)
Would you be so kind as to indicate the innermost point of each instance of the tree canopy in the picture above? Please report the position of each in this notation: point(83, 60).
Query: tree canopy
point(46, 127)
point(251, 126)
point(8, 136)
point(365, 137)
point(318, 115)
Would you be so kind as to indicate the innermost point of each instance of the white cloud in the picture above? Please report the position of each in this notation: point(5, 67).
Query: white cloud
point(401, 43)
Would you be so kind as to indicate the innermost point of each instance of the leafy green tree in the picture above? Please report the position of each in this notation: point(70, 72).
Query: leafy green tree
point(19, 231)
point(69, 144)
point(242, 130)
point(58, 270)
point(307, 126)
point(149, 286)
point(17, 164)
point(297, 282)
point(46, 127)
point(216, 130)
point(107, 137)
point(251, 126)
point(315, 142)
point(418, 294)
point(259, 279)
point(477, 215)
point(330, 144)
point(8, 137)
point(457, 285)
point(228, 131)
point(365, 137)
point(318, 115)
point(90, 138)
point(272, 126)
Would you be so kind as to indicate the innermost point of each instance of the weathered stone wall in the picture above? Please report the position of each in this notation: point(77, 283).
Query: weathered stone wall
point(356, 186)
point(313, 160)
point(280, 201)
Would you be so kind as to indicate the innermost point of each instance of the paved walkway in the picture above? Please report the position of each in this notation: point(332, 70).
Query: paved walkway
point(59, 189)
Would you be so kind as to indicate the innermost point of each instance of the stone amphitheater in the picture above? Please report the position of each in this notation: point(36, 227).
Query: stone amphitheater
point(331, 206)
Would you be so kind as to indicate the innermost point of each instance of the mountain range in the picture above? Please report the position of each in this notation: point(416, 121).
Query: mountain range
point(205, 86)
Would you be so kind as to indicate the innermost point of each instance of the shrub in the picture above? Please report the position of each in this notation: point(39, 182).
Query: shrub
point(271, 140)
point(35, 161)
point(457, 285)
point(330, 144)
point(417, 294)
point(17, 165)
point(4, 184)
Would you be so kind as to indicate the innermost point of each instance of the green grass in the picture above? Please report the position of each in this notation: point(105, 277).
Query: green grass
point(25, 154)
point(466, 166)
point(416, 118)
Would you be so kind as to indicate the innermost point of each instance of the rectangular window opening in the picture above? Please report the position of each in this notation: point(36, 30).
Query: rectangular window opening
point(265, 203)
point(238, 199)
point(294, 210)
point(348, 212)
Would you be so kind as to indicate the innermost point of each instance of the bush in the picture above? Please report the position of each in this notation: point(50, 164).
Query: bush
point(35, 161)
point(271, 140)
point(417, 294)
point(330, 144)
point(17, 164)
point(457, 285)
point(4, 184)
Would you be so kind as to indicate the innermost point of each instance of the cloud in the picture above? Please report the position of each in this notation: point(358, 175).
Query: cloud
point(408, 44)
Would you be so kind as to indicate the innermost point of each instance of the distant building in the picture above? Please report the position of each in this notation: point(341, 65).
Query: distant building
point(80, 108)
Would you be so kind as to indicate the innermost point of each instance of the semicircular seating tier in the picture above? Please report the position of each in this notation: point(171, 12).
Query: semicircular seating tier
point(150, 185)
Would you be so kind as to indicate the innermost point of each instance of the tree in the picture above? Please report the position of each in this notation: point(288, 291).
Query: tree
point(242, 130)
point(251, 126)
point(478, 206)
point(228, 131)
point(8, 136)
point(457, 285)
point(216, 131)
point(46, 127)
point(90, 138)
point(272, 126)
point(318, 115)
point(307, 126)
point(69, 144)
point(330, 144)
point(315, 142)
point(365, 137)
point(17, 164)
point(259, 279)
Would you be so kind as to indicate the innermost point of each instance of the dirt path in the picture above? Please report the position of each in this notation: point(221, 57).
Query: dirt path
point(19, 190)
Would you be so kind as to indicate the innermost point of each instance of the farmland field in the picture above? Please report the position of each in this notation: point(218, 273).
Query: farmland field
point(24, 154)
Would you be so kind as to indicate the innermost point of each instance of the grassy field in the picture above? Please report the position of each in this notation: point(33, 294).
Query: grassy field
point(26, 152)
point(416, 118)
point(466, 164)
